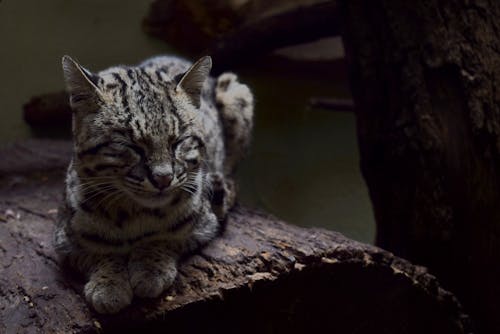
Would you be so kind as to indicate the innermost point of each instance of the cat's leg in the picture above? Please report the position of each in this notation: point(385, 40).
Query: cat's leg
point(152, 269)
point(223, 194)
point(108, 288)
point(153, 266)
point(235, 103)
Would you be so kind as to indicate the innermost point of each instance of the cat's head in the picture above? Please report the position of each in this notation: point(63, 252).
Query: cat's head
point(137, 133)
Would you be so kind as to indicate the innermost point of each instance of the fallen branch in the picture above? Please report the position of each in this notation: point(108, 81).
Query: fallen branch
point(261, 36)
point(262, 275)
point(48, 110)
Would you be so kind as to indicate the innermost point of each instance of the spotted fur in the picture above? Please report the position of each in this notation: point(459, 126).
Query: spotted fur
point(155, 146)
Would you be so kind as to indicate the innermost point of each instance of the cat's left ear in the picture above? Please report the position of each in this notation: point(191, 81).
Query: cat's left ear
point(81, 85)
point(192, 81)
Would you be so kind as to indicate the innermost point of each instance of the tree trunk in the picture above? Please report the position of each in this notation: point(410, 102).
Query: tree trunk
point(425, 77)
point(262, 275)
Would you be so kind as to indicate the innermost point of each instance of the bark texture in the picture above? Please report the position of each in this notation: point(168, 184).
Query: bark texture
point(191, 25)
point(261, 276)
point(426, 84)
point(263, 35)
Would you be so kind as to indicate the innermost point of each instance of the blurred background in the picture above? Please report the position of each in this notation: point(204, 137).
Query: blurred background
point(304, 163)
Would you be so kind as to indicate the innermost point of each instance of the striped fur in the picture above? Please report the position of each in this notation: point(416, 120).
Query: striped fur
point(155, 146)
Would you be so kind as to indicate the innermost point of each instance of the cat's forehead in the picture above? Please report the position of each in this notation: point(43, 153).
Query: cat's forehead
point(135, 84)
point(144, 108)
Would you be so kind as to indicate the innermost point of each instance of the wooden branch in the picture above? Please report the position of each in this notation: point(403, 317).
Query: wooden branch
point(258, 37)
point(33, 156)
point(48, 110)
point(190, 25)
point(261, 275)
point(238, 36)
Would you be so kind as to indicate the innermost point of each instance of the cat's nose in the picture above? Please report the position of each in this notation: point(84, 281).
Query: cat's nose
point(162, 181)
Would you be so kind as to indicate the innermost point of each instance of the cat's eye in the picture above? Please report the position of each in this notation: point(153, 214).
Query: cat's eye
point(180, 140)
point(112, 150)
point(192, 140)
point(193, 162)
point(137, 149)
point(123, 150)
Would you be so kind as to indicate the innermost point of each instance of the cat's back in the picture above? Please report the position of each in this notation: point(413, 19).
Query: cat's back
point(171, 66)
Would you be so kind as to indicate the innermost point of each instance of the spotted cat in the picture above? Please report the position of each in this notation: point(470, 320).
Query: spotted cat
point(155, 146)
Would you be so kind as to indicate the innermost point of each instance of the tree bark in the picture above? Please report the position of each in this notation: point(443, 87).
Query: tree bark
point(190, 25)
point(239, 36)
point(425, 79)
point(263, 35)
point(262, 275)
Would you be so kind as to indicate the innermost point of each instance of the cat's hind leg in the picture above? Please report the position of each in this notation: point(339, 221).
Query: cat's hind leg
point(235, 103)
point(223, 195)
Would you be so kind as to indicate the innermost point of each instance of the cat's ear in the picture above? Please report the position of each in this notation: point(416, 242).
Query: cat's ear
point(192, 81)
point(81, 85)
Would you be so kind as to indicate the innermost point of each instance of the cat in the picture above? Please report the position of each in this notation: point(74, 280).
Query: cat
point(150, 180)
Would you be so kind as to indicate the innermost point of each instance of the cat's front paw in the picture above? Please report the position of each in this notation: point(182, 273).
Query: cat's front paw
point(151, 282)
point(107, 295)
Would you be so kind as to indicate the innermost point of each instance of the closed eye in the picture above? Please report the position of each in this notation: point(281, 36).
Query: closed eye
point(122, 152)
point(192, 161)
point(192, 142)
point(134, 179)
point(113, 150)
point(176, 144)
point(137, 149)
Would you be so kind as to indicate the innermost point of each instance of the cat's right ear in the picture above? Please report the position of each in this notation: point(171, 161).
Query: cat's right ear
point(192, 81)
point(81, 84)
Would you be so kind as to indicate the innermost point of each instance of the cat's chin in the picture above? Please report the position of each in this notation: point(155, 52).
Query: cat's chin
point(153, 201)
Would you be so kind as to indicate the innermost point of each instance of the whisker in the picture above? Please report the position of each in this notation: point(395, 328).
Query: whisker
point(139, 189)
point(102, 191)
point(110, 195)
point(87, 185)
point(188, 190)
point(115, 200)
point(91, 189)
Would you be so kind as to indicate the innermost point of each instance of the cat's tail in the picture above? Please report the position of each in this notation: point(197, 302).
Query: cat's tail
point(235, 103)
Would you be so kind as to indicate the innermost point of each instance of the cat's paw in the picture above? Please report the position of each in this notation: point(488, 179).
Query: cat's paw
point(108, 296)
point(151, 282)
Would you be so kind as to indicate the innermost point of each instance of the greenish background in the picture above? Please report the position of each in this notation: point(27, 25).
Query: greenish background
point(304, 164)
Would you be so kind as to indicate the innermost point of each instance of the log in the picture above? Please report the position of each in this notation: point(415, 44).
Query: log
point(261, 275)
point(48, 111)
point(261, 36)
point(191, 25)
point(424, 80)
point(239, 36)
